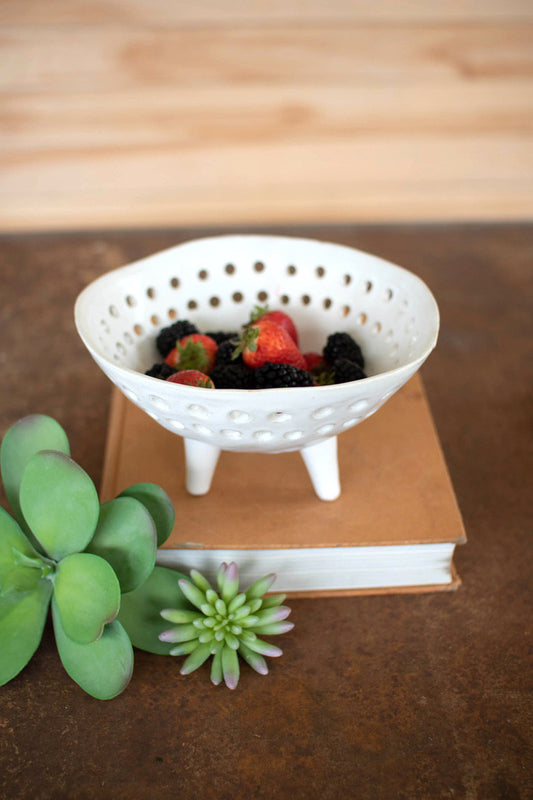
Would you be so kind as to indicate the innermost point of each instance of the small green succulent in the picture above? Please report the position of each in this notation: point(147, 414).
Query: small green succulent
point(65, 549)
point(225, 624)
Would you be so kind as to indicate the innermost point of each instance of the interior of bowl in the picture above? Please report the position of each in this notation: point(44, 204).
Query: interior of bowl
point(217, 281)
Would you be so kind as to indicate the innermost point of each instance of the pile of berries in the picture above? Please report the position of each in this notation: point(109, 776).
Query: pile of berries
point(264, 354)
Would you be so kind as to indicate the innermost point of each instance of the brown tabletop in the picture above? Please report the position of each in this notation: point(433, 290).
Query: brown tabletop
point(403, 696)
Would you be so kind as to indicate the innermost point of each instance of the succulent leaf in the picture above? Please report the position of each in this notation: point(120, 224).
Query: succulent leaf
point(200, 654)
point(179, 615)
point(159, 505)
point(22, 440)
point(273, 600)
point(216, 668)
point(140, 610)
point(237, 602)
point(125, 536)
point(184, 648)
point(22, 619)
point(183, 633)
point(220, 576)
point(103, 668)
point(255, 660)
point(87, 595)
point(230, 667)
point(230, 583)
point(21, 565)
point(268, 615)
point(192, 593)
point(260, 587)
point(59, 502)
point(274, 628)
point(200, 581)
point(264, 648)
point(20, 579)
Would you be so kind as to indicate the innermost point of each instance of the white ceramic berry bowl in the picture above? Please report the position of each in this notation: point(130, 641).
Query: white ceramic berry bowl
point(215, 282)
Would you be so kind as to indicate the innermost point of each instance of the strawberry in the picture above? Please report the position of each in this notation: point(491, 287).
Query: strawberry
point(318, 368)
point(192, 377)
point(314, 362)
point(279, 317)
point(195, 351)
point(266, 341)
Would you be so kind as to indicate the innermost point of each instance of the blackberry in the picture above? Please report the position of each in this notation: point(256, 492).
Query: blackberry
point(233, 376)
point(222, 336)
point(345, 370)
point(162, 371)
point(225, 352)
point(167, 337)
point(272, 376)
point(341, 345)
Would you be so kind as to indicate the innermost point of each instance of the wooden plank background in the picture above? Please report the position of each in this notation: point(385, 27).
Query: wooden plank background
point(165, 112)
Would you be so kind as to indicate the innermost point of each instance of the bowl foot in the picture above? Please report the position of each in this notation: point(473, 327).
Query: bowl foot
point(200, 462)
point(320, 460)
point(323, 468)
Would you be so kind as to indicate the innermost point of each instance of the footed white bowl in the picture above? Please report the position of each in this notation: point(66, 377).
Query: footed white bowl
point(215, 282)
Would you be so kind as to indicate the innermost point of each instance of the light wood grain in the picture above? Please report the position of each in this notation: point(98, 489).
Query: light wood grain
point(216, 12)
point(114, 59)
point(130, 113)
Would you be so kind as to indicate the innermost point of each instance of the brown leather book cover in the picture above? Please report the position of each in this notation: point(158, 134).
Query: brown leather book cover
point(396, 488)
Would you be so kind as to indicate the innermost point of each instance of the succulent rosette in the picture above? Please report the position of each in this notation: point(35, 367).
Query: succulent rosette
point(225, 624)
point(64, 549)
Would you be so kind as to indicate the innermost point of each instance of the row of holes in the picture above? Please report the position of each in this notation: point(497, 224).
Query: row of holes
point(230, 268)
point(238, 297)
point(362, 319)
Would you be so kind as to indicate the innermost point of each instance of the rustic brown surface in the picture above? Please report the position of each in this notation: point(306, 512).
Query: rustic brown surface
point(422, 696)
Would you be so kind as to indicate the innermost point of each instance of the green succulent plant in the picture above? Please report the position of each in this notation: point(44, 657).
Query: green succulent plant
point(226, 624)
point(64, 549)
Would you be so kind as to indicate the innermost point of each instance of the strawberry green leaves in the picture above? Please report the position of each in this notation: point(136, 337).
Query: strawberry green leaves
point(59, 502)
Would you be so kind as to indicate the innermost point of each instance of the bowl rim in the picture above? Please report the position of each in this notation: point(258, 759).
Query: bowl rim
point(139, 264)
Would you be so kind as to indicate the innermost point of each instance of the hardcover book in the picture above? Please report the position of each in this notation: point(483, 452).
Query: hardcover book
point(394, 528)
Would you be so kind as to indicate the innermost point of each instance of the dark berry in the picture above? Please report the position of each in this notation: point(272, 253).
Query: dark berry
point(233, 376)
point(272, 376)
point(345, 371)
point(341, 345)
point(225, 352)
point(222, 336)
point(162, 371)
point(167, 337)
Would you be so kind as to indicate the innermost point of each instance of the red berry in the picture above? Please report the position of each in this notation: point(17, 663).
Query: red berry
point(279, 317)
point(192, 377)
point(265, 341)
point(196, 351)
point(314, 362)
point(318, 368)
